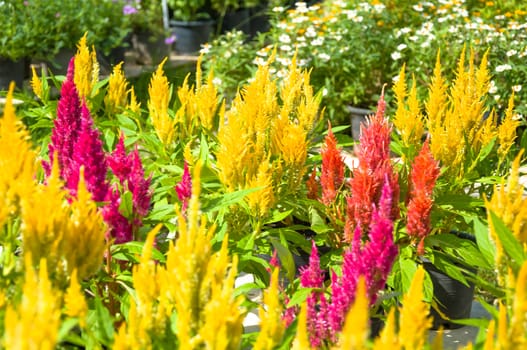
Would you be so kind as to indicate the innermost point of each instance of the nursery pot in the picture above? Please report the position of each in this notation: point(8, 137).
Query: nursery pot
point(149, 48)
point(190, 35)
point(259, 20)
point(237, 20)
point(454, 299)
point(12, 71)
point(357, 118)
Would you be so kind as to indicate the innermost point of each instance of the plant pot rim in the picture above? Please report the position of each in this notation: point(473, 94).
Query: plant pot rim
point(194, 23)
point(359, 110)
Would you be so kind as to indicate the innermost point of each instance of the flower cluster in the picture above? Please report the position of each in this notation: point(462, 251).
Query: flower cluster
point(76, 143)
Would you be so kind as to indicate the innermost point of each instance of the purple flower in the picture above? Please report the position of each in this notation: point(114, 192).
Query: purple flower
point(129, 10)
point(170, 40)
point(184, 187)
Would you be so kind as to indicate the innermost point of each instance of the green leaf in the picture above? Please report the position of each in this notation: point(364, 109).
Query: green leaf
point(286, 258)
point(299, 296)
point(102, 326)
point(511, 245)
point(445, 265)
point(317, 223)
point(130, 251)
point(126, 207)
point(229, 199)
point(408, 268)
point(278, 216)
point(486, 247)
point(126, 123)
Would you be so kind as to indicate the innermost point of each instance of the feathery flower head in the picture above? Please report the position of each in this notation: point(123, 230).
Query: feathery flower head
point(423, 176)
point(88, 152)
point(312, 276)
point(74, 300)
point(36, 83)
point(86, 68)
point(374, 142)
point(116, 97)
point(184, 187)
point(66, 127)
point(332, 175)
point(35, 322)
point(159, 97)
point(120, 227)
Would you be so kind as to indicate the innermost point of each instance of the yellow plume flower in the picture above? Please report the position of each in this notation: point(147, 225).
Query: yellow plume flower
point(70, 236)
point(356, 327)
point(262, 200)
point(86, 68)
point(388, 339)
point(510, 205)
point(436, 104)
point(414, 320)
point(147, 317)
point(301, 341)
point(84, 239)
point(133, 105)
point(36, 83)
point(517, 336)
point(408, 120)
point(267, 125)
point(271, 325)
point(44, 217)
point(34, 323)
point(159, 97)
point(199, 284)
point(17, 169)
point(74, 301)
point(507, 130)
point(116, 97)
point(454, 119)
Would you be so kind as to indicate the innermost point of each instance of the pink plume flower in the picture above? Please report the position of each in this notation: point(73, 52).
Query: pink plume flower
point(184, 187)
point(128, 169)
point(88, 152)
point(120, 227)
point(66, 126)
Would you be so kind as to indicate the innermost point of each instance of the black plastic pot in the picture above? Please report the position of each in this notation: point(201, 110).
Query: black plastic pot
point(191, 35)
point(239, 19)
point(259, 19)
point(454, 299)
point(357, 118)
point(12, 71)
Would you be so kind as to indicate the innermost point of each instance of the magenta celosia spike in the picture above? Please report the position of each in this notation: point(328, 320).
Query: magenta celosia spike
point(89, 153)
point(274, 260)
point(70, 75)
point(120, 226)
point(128, 169)
point(312, 276)
point(184, 187)
point(66, 128)
point(138, 185)
point(118, 161)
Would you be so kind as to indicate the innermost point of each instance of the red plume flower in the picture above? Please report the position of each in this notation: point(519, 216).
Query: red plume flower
point(332, 175)
point(425, 171)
